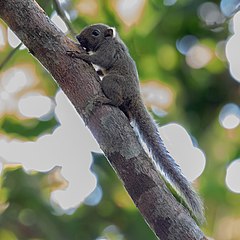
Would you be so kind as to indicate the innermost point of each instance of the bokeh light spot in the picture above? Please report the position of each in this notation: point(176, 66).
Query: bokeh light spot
point(57, 20)
point(220, 50)
point(27, 217)
point(50, 150)
point(233, 176)
point(233, 47)
point(2, 37)
point(34, 105)
point(198, 56)
point(13, 40)
point(167, 57)
point(210, 13)
point(169, 2)
point(95, 197)
point(229, 116)
point(185, 43)
point(229, 7)
point(17, 78)
point(1, 166)
point(88, 7)
point(178, 142)
point(157, 95)
point(130, 11)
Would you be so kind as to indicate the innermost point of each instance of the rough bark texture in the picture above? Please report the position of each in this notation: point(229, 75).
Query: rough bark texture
point(110, 127)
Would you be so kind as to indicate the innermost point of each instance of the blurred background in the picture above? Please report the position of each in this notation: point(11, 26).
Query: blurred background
point(54, 181)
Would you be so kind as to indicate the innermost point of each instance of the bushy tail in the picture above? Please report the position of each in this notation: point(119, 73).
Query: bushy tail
point(149, 133)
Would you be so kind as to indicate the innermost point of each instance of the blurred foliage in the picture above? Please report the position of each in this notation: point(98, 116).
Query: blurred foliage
point(29, 214)
point(27, 128)
point(199, 95)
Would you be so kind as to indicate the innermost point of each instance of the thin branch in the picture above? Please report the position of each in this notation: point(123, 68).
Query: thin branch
point(9, 56)
point(62, 14)
point(12, 53)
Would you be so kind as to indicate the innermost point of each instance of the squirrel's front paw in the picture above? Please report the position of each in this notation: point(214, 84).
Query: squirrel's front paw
point(76, 54)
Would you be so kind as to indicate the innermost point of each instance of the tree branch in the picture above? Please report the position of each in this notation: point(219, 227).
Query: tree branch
point(168, 218)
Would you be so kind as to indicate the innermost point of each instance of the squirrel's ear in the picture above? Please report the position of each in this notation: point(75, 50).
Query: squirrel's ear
point(110, 32)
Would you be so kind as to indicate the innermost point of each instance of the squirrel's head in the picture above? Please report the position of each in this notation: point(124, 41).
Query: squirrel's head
point(93, 36)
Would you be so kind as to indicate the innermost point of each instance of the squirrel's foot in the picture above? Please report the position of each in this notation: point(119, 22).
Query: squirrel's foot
point(94, 103)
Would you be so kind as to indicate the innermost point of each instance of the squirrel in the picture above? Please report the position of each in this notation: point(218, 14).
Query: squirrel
point(120, 85)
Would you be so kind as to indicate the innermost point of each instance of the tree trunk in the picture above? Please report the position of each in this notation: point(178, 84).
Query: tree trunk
point(168, 218)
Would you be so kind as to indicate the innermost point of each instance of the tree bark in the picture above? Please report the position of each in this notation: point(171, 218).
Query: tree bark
point(168, 218)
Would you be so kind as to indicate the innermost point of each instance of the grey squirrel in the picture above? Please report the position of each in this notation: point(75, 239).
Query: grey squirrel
point(120, 84)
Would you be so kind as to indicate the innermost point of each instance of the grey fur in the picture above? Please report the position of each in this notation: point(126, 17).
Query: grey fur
point(120, 85)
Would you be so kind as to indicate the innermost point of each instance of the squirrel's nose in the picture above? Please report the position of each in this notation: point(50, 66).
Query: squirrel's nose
point(81, 40)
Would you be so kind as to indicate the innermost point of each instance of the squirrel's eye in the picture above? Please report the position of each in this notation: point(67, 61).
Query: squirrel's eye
point(95, 32)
